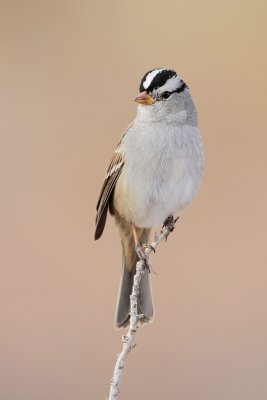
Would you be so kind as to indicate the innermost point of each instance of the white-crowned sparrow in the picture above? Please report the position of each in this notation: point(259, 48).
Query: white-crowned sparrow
point(154, 173)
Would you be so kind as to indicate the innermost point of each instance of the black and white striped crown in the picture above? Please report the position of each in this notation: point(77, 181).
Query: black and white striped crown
point(163, 78)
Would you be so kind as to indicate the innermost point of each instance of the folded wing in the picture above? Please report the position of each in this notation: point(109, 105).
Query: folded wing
point(106, 192)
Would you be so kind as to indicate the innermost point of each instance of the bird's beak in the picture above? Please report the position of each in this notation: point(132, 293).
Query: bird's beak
point(144, 98)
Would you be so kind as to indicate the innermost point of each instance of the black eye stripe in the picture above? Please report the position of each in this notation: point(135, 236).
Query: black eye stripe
point(181, 88)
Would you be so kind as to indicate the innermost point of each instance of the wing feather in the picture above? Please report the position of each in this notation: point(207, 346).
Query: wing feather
point(106, 192)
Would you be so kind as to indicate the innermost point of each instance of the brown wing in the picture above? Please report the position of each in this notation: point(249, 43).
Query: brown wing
point(106, 192)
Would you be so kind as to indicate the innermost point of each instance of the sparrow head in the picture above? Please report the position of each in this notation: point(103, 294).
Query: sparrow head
point(164, 95)
point(158, 85)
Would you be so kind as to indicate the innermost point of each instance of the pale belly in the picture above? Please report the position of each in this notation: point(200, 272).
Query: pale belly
point(148, 200)
point(155, 185)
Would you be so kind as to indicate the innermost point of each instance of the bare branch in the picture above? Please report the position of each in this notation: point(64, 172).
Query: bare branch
point(127, 340)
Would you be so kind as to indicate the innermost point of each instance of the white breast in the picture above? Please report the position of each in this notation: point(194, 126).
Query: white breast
point(162, 172)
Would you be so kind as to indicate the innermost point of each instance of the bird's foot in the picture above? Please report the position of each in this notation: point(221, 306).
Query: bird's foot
point(169, 223)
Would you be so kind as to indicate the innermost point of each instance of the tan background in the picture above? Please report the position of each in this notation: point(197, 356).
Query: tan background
point(69, 73)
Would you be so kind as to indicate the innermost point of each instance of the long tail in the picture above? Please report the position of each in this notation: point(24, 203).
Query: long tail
point(129, 260)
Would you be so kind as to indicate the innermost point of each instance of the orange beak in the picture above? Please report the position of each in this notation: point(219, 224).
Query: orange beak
point(144, 98)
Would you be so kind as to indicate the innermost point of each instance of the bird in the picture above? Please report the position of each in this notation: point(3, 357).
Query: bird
point(154, 173)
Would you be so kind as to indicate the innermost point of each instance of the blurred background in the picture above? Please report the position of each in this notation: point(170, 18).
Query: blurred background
point(69, 74)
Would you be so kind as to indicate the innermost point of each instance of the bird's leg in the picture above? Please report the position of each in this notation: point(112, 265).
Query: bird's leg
point(140, 248)
point(136, 242)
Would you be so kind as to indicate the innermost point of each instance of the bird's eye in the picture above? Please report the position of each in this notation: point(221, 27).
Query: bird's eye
point(166, 95)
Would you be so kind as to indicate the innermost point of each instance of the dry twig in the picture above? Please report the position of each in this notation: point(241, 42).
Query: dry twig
point(128, 339)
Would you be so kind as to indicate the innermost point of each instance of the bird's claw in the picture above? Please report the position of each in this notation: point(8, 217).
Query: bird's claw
point(169, 223)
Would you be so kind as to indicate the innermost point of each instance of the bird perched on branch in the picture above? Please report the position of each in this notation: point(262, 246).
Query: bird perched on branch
point(154, 173)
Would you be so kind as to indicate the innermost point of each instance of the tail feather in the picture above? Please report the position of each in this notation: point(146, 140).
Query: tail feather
point(145, 302)
point(123, 305)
